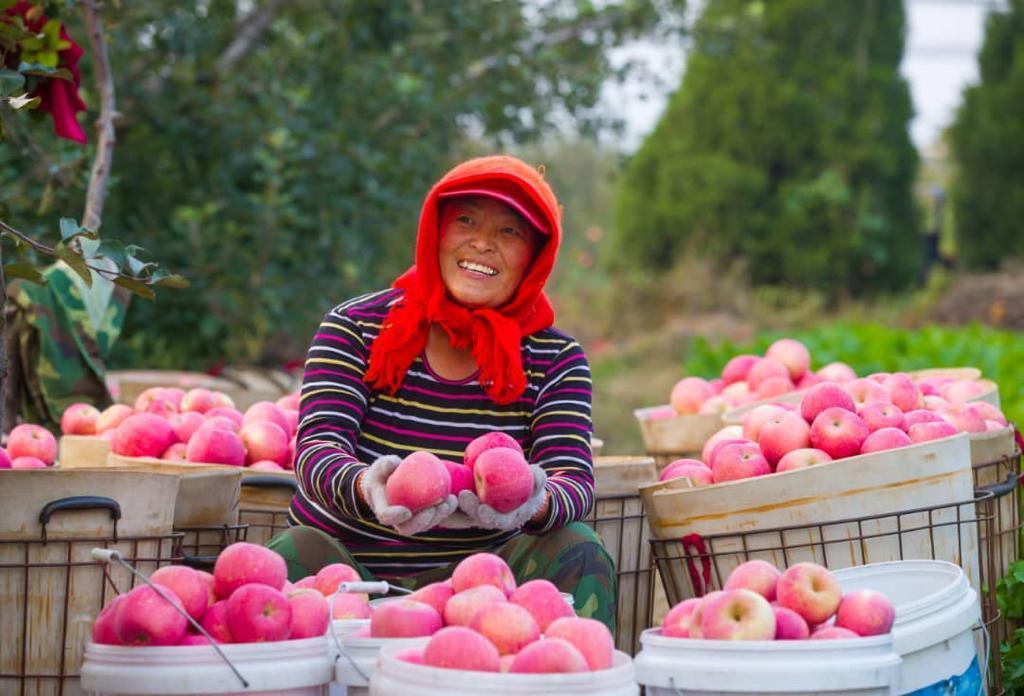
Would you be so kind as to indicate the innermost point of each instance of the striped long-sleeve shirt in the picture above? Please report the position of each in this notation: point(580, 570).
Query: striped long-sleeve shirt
point(345, 425)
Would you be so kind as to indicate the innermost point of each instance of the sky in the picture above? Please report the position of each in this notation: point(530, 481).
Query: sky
point(943, 38)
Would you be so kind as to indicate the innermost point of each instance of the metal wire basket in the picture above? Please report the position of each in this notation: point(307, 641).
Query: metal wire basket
point(51, 590)
point(622, 525)
point(264, 506)
point(959, 532)
point(200, 546)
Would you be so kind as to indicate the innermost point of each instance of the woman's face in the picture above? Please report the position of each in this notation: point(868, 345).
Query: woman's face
point(484, 251)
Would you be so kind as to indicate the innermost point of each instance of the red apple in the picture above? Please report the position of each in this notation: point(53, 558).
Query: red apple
point(28, 440)
point(79, 419)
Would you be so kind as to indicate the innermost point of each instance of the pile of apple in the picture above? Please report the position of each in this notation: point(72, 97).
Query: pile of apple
point(832, 421)
point(759, 602)
point(247, 599)
point(493, 465)
point(786, 367)
point(29, 446)
point(199, 425)
point(479, 620)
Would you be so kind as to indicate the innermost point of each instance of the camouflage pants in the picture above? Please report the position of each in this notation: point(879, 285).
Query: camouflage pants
point(572, 557)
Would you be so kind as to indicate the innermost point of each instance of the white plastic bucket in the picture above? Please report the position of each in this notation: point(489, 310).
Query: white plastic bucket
point(292, 667)
point(936, 610)
point(853, 667)
point(356, 665)
point(393, 677)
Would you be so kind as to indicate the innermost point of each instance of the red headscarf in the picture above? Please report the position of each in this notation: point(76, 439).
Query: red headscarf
point(494, 335)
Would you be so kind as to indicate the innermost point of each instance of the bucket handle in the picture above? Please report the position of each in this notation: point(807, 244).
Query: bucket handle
point(114, 556)
point(270, 482)
point(998, 490)
point(369, 587)
point(80, 502)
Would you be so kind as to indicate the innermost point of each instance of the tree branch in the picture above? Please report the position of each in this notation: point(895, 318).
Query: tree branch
point(250, 29)
point(97, 192)
point(103, 272)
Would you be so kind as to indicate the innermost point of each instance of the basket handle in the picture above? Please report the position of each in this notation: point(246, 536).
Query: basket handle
point(998, 490)
point(271, 482)
point(80, 502)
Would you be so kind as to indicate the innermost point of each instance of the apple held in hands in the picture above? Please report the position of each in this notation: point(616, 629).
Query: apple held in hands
point(420, 481)
point(503, 479)
point(486, 442)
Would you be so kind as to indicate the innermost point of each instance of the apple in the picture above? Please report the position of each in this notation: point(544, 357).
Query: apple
point(811, 591)
point(264, 441)
point(920, 415)
point(242, 563)
point(28, 440)
point(483, 569)
point(789, 625)
point(866, 389)
point(697, 472)
point(737, 615)
point(822, 396)
point(902, 391)
point(783, 434)
point(210, 445)
point(459, 610)
point(27, 463)
point(548, 656)
point(764, 369)
point(866, 613)
point(838, 432)
point(258, 613)
point(678, 621)
point(112, 416)
point(266, 411)
point(461, 476)
point(142, 435)
point(885, 439)
point(963, 417)
point(488, 441)
point(755, 575)
point(420, 481)
point(801, 459)
point(187, 586)
point(186, 424)
point(509, 626)
point(736, 369)
point(404, 618)
point(833, 633)
point(923, 432)
point(791, 353)
point(79, 419)
point(730, 432)
point(756, 417)
point(543, 600)
point(689, 393)
point(503, 478)
point(837, 372)
point(310, 614)
point(774, 386)
point(739, 461)
point(146, 618)
point(881, 414)
point(198, 400)
point(457, 647)
point(591, 637)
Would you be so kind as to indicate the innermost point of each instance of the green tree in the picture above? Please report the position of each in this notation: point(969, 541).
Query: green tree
point(787, 145)
point(278, 156)
point(988, 147)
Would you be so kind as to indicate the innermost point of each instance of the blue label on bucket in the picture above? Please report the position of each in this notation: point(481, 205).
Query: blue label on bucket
point(968, 683)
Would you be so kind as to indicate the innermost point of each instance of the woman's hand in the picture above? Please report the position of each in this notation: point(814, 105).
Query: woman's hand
point(372, 487)
point(486, 517)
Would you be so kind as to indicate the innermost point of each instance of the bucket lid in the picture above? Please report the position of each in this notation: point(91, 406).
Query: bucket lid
point(766, 666)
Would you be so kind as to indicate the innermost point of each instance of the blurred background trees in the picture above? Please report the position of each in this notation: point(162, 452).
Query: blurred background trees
point(988, 143)
point(787, 145)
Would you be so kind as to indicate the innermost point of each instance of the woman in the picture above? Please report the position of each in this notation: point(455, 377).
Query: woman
point(461, 345)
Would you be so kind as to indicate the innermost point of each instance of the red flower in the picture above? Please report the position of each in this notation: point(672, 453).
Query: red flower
point(57, 97)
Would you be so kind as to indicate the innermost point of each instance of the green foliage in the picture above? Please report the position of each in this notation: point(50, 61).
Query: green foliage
point(291, 178)
point(988, 145)
point(1010, 598)
point(869, 348)
point(786, 144)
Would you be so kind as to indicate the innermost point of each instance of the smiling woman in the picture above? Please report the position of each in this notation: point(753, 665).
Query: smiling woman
point(461, 346)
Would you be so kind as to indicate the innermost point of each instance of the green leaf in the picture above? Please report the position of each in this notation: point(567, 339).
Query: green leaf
point(23, 102)
point(10, 80)
point(135, 286)
point(113, 250)
point(68, 228)
point(25, 271)
point(164, 279)
point(75, 260)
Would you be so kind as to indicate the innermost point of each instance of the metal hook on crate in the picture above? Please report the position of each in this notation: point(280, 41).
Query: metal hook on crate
point(374, 587)
point(113, 556)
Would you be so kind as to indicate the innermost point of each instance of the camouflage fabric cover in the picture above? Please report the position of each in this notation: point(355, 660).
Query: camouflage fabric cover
point(572, 557)
point(60, 336)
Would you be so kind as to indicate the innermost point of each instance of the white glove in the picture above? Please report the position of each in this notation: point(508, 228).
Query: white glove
point(373, 483)
point(486, 517)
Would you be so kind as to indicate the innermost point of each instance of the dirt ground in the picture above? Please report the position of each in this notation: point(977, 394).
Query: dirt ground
point(996, 299)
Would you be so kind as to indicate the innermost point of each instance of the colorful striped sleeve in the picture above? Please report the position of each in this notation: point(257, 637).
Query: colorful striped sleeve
point(561, 427)
point(334, 400)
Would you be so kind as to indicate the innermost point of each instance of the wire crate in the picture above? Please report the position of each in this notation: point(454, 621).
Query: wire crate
point(264, 505)
point(51, 590)
point(200, 546)
point(622, 525)
point(959, 532)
